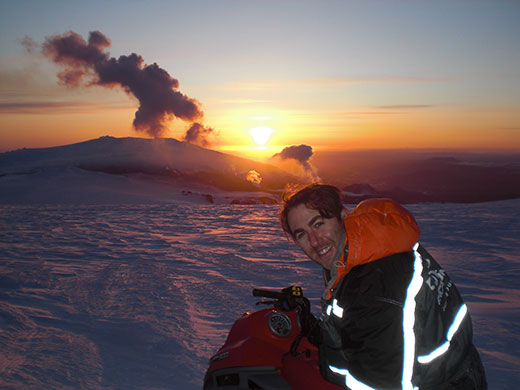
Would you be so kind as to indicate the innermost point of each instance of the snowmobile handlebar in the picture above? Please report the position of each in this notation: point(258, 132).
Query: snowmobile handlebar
point(289, 298)
point(291, 291)
point(257, 292)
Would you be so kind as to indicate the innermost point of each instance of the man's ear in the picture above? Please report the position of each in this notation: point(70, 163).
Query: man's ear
point(344, 213)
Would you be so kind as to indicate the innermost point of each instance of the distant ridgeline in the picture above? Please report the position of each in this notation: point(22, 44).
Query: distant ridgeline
point(423, 179)
point(407, 177)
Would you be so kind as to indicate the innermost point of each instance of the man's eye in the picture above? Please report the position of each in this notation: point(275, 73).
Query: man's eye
point(299, 236)
point(318, 224)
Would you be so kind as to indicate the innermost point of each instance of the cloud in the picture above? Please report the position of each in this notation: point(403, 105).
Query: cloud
point(33, 107)
point(301, 154)
point(254, 177)
point(263, 85)
point(29, 44)
point(198, 134)
point(157, 92)
point(509, 128)
point(404, 106)
point(52, 108)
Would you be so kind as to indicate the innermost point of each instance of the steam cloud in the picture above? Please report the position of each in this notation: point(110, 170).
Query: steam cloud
point(198, 134)
point(302, 154)
point(156, 91)
point(254, 177)
point(29, 44)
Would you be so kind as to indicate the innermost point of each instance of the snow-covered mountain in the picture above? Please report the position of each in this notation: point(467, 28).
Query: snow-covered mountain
point(132, 169)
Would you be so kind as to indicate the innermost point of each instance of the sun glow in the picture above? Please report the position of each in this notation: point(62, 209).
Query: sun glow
point(261, 134)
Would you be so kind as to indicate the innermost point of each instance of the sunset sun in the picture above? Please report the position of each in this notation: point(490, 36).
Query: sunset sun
point(261, 134)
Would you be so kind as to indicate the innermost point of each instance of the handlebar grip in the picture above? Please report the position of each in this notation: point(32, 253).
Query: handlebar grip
point(267, 293)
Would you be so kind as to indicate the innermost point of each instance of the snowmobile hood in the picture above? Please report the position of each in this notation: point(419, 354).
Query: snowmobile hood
point(376, 228)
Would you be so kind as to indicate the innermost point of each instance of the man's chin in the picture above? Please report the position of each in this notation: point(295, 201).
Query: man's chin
point(326, 263)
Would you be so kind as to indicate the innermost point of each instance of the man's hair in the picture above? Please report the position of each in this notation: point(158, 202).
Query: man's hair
point(326, 199)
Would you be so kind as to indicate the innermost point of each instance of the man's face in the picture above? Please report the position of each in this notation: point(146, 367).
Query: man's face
point(318, 237)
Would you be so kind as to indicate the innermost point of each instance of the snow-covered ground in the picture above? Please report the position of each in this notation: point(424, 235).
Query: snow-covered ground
point(140, 296)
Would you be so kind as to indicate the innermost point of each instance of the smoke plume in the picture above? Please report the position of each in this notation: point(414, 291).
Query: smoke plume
point(302, 155)
point(198, 134)
point(254, 177)
point(29, 44)
point(156, 91)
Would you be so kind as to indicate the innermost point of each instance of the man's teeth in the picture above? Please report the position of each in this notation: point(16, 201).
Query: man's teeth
point(323, 251)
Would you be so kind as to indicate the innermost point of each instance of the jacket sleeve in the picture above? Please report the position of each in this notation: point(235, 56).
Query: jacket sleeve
point(443, 326)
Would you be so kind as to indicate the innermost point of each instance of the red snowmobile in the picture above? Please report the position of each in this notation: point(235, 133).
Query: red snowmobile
point(266, 349)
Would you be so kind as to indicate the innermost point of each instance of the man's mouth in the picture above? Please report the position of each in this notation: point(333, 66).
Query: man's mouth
point(324, 251)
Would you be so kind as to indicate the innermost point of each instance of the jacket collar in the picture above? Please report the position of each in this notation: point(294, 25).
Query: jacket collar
point(339, 262)
point(376, 228)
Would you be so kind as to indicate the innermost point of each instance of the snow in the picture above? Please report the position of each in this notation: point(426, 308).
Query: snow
point(140, 295)
point(72, 185)
point(132, 281)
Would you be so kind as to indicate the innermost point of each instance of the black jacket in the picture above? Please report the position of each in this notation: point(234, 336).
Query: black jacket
point(399, 323)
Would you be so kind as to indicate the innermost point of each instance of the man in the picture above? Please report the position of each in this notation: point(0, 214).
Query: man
point(392, 318)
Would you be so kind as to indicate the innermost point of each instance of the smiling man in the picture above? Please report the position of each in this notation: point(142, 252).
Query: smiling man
point(321, 238)
point(392, 318)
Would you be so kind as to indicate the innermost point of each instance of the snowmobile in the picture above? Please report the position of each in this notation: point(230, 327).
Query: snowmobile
point(267, 349)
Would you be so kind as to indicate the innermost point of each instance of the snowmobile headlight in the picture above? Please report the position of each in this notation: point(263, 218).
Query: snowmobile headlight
point(279, 324)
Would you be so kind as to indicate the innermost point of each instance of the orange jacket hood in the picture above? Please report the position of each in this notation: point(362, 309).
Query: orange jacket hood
point(376, 228)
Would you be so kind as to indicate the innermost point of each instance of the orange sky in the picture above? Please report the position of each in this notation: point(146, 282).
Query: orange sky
point(353, 127)
point(414, 76)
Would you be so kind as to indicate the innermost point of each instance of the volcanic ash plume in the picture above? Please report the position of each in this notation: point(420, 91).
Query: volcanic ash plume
point(302, 155)
point(156, 91)
point(198, 134)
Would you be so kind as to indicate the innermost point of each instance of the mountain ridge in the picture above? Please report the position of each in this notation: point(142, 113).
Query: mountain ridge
point(136, 170)
point(143, 169)
point(161, 156)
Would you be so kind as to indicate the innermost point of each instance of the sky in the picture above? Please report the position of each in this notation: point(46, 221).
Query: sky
point(330, 74)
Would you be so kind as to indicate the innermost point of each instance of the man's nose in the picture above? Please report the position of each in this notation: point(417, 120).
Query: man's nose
point(313, 239)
